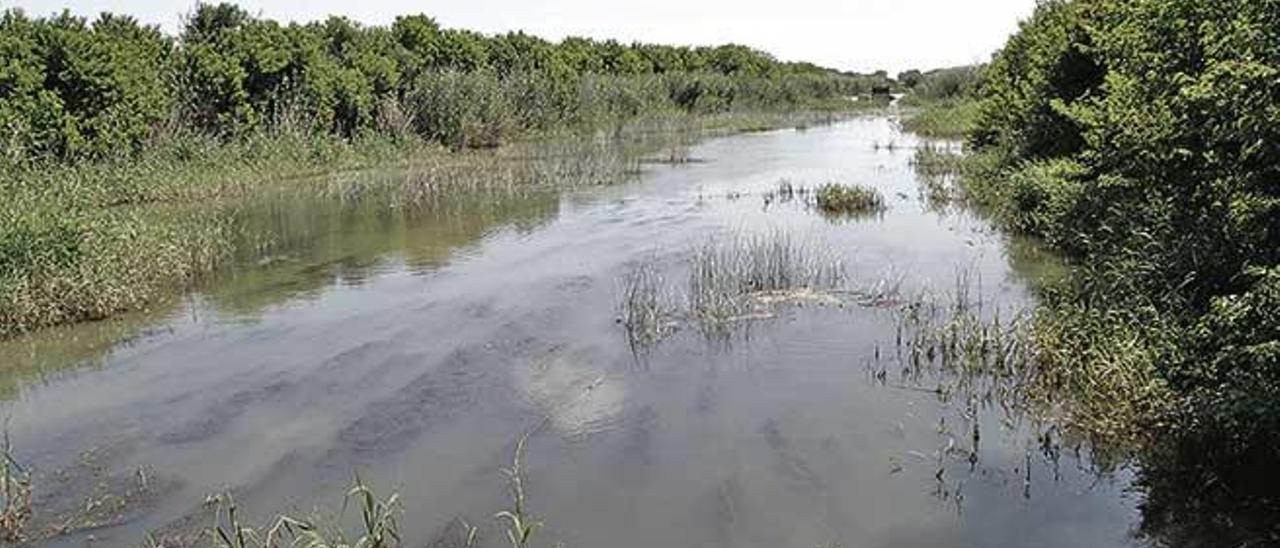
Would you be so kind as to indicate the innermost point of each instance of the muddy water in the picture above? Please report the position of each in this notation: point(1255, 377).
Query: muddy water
point(416, 347)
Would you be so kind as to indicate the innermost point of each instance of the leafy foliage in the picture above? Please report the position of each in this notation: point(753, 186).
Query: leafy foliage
point(1140, 136)
point(940, 84)
point(72, 89)
point(1147, 129)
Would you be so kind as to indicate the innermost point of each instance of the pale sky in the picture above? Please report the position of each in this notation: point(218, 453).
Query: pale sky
point(861, 35)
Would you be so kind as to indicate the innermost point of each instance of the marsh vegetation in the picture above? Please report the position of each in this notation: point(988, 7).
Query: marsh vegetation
point(843, 199)
point(941, 103)
point(731, 279)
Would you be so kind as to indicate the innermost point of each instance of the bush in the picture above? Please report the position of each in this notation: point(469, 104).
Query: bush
point(1138, 137)
point(1029, 87)
point(71, 89)
point(1232, 365)
point(461, 109)
point(940, 84)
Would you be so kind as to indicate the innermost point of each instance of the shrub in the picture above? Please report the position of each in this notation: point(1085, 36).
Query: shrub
point(1135, 136)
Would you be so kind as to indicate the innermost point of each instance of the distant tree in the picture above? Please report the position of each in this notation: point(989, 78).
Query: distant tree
point(911, 78)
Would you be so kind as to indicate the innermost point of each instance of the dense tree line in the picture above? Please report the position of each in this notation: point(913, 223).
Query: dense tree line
point(1143, 137)
point(940, 84)
point(74, 89)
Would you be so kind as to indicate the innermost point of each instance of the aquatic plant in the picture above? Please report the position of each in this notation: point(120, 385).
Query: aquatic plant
point(937, 159)
point(645, 309)
point(379, 520)
point(521, 526)
point(15, 490)
point(728, 276)
point(842, 199)
point(732, 279)
point(1033, 363)
point(938, 167)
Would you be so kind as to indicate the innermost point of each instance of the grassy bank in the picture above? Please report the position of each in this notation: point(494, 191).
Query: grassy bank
point(952, 118)
point(941, 103)
point(84, 242)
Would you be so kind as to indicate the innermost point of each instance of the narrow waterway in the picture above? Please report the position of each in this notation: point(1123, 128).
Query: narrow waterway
point(417, 347)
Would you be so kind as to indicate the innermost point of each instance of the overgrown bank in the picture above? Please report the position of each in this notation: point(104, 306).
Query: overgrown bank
point(108, 124)
point(1140, 139)
point(941, 103)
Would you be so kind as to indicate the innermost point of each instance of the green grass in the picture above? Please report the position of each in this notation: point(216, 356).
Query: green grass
point(86, 242)
point(731, 279)
point(378, 523)
point(841, 199)
point(944, 119)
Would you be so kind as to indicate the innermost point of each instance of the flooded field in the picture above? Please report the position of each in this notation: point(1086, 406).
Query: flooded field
point(417, 345)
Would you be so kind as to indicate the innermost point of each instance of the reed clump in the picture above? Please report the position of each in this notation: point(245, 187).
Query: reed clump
point(938, 159)
point(843, 199)
point(938, 167)
point(15, 497)
point(1032, 363)
point(645, 309)
point(728, 276)
point(731, 279)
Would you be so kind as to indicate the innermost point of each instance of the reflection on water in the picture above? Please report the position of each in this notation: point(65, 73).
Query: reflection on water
point(1192, 498)
point(416, 340)
point(294, 243)
point(315, 241)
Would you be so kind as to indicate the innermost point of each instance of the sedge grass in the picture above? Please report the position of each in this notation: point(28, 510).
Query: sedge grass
point(848, 200)
point(730, 279)
point(1089, 375)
